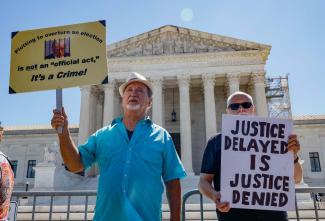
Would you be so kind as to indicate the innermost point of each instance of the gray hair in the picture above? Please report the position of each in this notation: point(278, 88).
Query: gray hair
point(239, 93)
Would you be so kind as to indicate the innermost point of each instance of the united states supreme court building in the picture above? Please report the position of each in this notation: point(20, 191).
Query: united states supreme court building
point(192, 73)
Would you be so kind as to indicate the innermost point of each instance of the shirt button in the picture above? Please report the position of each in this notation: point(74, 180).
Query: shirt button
point(125, 174)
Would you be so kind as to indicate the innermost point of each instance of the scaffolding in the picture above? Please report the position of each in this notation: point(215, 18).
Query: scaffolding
point(277, 96)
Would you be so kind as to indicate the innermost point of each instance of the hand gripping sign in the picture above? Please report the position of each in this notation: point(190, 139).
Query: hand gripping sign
point(256, 168)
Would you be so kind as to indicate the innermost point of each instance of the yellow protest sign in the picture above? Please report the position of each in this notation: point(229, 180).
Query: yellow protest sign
point(58, 57)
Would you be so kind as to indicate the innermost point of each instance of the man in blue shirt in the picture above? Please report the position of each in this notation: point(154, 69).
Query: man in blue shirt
point(134, 156)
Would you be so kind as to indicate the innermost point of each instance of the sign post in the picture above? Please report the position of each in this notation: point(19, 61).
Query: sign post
point(59, 103)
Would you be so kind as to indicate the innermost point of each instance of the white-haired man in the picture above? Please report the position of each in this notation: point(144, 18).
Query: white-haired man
point(134, 155)
point(238, 103)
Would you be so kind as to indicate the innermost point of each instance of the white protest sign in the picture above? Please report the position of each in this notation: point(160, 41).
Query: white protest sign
point(256, 169)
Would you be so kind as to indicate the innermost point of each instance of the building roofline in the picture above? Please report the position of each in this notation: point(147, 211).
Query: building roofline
point(308, 119)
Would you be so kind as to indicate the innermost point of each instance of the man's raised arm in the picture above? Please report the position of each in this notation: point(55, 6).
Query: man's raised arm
point(68, 149)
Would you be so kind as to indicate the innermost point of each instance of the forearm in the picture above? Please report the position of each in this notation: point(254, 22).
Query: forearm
point(69, 152)
point(207, 189)
point(297, 172)
point(294, 146)
point(173, 191)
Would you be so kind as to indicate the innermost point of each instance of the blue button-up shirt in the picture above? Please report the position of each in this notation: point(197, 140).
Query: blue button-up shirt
point(131, 172)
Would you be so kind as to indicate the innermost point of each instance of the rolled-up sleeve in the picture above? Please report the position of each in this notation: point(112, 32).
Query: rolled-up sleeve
point(172, 166)
point(87, 151)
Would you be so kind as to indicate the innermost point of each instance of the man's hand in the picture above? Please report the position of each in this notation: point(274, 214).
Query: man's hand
point(205, 187)
point(221, 206)
point(59, 119)
point(69, 151)
point(293, 145)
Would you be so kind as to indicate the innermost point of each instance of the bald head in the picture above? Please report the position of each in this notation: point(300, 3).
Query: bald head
point(240, 103)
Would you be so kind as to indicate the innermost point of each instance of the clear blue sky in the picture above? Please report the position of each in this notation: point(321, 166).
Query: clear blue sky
point(294, 28)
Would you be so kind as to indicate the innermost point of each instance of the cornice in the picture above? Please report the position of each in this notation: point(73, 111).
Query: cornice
point(215, 58)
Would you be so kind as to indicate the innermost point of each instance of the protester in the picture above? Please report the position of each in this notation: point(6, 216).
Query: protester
point(134, 156)
point(239, 103)
point(6, 183)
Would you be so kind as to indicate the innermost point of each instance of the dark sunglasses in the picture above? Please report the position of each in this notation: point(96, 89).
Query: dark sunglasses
point(235, 106)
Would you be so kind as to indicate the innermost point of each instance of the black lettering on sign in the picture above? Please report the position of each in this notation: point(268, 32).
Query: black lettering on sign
point(258, 198)
point(246, 180)
point(267, 199)
point(274, 145)
point(264, 159)
point(252, 145)
point(274, 199)
point(245, 199)
point(286, 183)
point(227, 142)
point(283, 199)
point(234, 183)
point(253, 162)
point(235, 196)
point(245, 128)
point(257, 183)
point(262, 132)
point(284, 148)
point(278, 182)
point(255, 129)
point(236, 129)
point(281, 131)
point(264, 145)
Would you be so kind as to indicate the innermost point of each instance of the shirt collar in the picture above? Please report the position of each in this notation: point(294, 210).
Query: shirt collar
point(145, 120)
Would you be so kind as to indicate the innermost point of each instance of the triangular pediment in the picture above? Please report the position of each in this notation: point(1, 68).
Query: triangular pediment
point(168, 40)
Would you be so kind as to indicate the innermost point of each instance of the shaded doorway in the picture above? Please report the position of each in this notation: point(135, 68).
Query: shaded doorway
point(177, 142)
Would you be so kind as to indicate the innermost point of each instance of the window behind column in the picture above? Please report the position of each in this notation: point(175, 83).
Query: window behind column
point(14, 164)
point(314, 162)
point(30, 169)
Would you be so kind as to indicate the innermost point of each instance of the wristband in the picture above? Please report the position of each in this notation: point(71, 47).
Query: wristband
point(296, 160)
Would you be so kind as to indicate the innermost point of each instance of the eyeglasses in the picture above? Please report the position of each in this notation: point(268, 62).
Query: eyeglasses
point(235, 106)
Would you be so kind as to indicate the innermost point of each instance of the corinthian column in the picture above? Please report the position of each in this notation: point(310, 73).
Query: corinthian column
point(260, 97)
point(157, 108)
point(84, 121)
point(99, 110)
point(109, 102)
point(209, 106)
point(185, 122)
